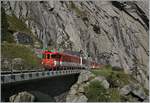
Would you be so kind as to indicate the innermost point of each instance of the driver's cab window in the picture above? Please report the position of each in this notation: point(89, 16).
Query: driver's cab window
point(55, 56)
point(48, 56)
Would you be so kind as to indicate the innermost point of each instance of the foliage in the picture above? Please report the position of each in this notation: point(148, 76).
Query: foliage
point(114, 95)
point(95, 92)
point(20, 51)
point(115, 78)
point(16, 24)
point(104, 71)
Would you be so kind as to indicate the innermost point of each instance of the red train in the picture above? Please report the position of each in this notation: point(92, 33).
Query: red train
point(57, 60)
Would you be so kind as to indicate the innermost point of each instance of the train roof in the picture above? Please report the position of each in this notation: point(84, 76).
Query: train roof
point(61, 53)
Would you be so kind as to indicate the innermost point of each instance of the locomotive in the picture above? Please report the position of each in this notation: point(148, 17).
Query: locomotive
point(62, 60)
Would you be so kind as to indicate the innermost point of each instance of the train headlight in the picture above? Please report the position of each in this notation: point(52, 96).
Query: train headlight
point(55, 62)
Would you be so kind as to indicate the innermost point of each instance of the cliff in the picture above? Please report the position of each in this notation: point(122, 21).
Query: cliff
point(110, 32)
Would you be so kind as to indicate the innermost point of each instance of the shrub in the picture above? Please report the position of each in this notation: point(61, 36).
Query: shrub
point(95, 92)
point(20, 51)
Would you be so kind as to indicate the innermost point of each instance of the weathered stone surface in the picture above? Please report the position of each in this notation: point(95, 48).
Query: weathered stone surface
point(76, 98)
point(5, 64)
point(102, 80)
point(23, 38)
point(72, 91)
point(17, 61)
point(85, 76)
point(139, 92)
point(22, 97)
point(134, 89)
point(125, 90)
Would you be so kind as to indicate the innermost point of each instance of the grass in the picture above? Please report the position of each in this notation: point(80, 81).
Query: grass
point(16, 24)
point(116, 78)
point(20, 51)
point(114, 95)
point(95, 92)
point(104, 71)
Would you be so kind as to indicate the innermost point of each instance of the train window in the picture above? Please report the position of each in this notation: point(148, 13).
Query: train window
point(48, 56)
point(55, 56)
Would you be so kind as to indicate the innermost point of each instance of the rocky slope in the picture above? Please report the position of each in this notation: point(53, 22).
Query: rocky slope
point(113, 33)
point(106, 85)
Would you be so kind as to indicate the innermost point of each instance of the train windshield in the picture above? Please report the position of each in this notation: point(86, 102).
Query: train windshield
point(48, 56)
point(57, 56)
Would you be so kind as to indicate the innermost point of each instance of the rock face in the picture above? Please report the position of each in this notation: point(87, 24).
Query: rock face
point(76, 93)
point(22, 38)
point(22, 97)
point(135, 90)
point(113, 33)
point(85, 76)
point(130, 92)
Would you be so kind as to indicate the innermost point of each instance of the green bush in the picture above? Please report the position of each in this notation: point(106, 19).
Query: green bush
point(114, 95)
point(104, 71)
point(95, 92)
point(20, 51)
point(115, 78)
point(16, 24)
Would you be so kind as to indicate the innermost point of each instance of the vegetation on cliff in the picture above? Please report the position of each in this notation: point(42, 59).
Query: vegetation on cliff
point(12, 50)
point(117, 79)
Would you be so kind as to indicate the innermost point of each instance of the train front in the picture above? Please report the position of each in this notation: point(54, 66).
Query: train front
point(51, 60)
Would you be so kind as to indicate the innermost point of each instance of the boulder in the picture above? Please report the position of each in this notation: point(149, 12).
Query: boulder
point(69, 97)
point(81, 89)
point(76, 98)
point(146, 99)
point(134, 89)
point(81, 98)
point(103, 81)
point(72, 91)
point(125, 90)
point(22, 97)
point(85, 76)
point(5, 63)
point(17, 63)
point(139, 92)
point(105, 84)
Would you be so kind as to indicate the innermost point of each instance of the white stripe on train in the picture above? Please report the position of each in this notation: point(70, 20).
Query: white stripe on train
point(69, 64)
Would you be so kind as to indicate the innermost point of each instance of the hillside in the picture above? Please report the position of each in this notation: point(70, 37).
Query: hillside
point(110, 32)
